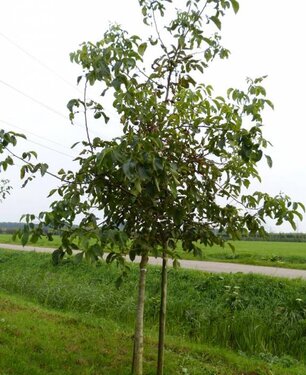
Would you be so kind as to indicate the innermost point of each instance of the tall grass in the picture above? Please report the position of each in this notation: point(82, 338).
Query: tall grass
point(253, 314)
point(84, 345)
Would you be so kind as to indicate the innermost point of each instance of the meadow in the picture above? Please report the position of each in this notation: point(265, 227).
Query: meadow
point(217, 324)
point(264, 253)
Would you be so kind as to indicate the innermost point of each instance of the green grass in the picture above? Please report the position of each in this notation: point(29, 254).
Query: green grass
point(43, 242)
point(38, 341)
point(261, 317)
point(264, 253)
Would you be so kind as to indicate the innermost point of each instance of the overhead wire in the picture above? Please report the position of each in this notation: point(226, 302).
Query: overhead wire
point(42, 138)
point(46, 106)
point(34, 134)
point(40, 62)
point(45, 66)
point(33, 99)
point(39, 102)
point(50, 148)
point(46, 147)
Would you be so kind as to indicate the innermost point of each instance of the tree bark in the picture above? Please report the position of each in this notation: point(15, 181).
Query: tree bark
point(162, 316)
point(137, 364)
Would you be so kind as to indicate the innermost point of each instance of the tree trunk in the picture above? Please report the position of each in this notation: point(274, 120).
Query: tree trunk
point(162, 317)
point(137, 364)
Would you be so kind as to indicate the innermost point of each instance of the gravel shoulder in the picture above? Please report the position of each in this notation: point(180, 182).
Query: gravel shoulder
point(215, 267)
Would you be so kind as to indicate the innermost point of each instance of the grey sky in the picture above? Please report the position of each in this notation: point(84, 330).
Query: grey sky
point(266, 37)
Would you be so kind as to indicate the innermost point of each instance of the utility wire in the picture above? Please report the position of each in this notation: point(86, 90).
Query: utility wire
point(40, 144)
point(39, 103)
point(50, 148)
point(33, 99)
point(39, 61)
point(44, 65)
point(34, 134)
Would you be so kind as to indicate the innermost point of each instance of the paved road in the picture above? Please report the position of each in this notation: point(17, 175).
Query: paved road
point(216, 267)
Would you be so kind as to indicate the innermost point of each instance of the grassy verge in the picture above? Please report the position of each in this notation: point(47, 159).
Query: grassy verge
point(79, 345)
point(261, 253)
point(256, 316)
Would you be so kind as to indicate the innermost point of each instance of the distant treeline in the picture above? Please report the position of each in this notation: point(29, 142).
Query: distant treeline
point(280, 237)
point(10, 228)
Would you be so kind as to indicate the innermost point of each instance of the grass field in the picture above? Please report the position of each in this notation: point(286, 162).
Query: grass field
point(266, 253)
point(77, 345)
point(217, 325)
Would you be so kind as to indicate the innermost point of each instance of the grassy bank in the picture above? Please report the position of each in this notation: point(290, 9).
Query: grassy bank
point(81, 345)
point(264, 253)
point(256, 316)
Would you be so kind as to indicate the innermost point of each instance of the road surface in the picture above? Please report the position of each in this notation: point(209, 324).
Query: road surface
point(216, 267)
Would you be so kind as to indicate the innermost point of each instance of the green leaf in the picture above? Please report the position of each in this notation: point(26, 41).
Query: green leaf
point(269, 161)
point(72, 103)
point(232, 247)
point(53, 191)
point(43, 169)
point(138, 186)
point(216, 21)
point(270, 104)
point(23, 171)
point(132, 255)
point(142, 48)
point(235, 5)
point(25, 238)
point(57, 256)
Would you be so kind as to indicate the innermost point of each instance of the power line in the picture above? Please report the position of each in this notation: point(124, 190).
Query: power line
point(47, 147)
point(34, 134)
point(40, 103)
point(50, 148)
point(33, 99)
point(44, 65)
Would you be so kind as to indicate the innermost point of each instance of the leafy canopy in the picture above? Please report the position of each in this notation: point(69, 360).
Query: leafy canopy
point(182, 168)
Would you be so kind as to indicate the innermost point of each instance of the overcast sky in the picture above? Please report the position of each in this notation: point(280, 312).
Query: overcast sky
point(37, 80)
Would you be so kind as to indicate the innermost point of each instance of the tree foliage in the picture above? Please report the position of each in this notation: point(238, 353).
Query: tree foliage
point(186, 159)
point(7, 139)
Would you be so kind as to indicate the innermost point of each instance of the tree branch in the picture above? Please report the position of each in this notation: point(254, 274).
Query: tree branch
point(85, 117)
point(31, 165)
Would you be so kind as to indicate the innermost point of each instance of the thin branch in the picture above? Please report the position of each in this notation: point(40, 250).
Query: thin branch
point(31, 165)
point(177, 52)
point(85, 117)
point(147, 76)
point(168, 85)
point(163, 46)
point(237, 200)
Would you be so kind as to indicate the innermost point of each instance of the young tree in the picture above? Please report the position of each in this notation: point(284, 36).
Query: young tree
point(183, 165)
